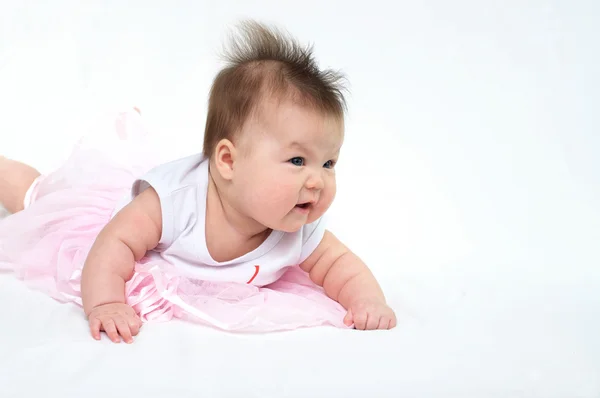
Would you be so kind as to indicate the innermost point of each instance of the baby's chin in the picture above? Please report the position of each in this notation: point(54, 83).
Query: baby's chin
point(294, 228)
point(287, 227)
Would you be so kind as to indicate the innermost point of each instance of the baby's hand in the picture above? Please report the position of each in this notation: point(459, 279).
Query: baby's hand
point(115, 319)
point(370, 314)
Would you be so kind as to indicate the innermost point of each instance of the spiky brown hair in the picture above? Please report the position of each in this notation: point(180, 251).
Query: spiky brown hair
point(262, 62)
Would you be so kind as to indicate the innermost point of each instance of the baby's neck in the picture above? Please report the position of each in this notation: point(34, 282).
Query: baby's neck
point(229, 234)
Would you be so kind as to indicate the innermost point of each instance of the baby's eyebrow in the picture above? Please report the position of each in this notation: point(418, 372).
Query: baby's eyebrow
point(302, 147)
point(298, 145)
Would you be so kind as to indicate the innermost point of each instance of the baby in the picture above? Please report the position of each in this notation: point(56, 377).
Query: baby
point(243, 211)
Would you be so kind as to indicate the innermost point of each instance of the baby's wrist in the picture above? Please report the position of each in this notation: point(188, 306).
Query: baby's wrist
point(102, 304)
point(372, 297)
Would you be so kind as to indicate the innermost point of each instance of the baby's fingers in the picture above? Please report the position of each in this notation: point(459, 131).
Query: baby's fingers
point(124, 331)
point(95, 326)
point(348, 319)
point(393, 322)
point(360, 320)
point(134, 325)
point(384, 323)
point(372, 321)
point(111, 330)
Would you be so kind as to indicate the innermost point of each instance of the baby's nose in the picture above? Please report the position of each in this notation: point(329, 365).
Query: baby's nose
point(315, 182)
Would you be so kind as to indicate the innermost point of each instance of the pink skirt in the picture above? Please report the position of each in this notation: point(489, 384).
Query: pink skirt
point(46, 246)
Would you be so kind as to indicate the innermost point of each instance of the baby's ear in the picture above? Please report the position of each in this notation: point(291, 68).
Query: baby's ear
point(225, 153)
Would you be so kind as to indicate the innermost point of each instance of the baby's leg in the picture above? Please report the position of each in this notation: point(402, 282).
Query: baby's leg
point(15, 180)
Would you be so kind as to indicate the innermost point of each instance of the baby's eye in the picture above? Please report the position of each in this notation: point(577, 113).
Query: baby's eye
point(329, 164)
point(297, 161)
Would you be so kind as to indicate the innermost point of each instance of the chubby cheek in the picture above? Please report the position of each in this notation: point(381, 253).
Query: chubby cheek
point(272, 193)
point(325, 201)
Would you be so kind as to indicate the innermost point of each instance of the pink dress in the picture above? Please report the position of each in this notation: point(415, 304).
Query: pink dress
point(46, 246)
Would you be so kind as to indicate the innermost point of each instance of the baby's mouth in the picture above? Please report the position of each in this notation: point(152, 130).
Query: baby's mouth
point(304, 205)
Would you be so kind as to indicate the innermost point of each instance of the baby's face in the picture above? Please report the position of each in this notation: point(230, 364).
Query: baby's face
point(285, 174)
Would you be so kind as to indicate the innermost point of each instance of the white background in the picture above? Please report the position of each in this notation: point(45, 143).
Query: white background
point(469, 182)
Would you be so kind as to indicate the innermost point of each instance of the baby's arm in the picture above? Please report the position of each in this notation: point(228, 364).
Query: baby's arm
point(110, 264)
point(349, 281)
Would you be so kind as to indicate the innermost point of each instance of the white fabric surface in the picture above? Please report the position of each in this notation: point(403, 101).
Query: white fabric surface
point(469, 182)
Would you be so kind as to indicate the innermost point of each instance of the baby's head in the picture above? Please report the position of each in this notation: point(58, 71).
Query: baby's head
point(274, 130)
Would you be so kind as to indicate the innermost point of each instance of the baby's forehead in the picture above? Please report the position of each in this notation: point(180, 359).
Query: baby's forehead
point(289, 117)
point(289, 125)
point(312, 136)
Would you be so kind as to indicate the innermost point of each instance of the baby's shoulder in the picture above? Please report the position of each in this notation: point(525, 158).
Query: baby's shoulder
point(182, 166)
point(182, 173)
